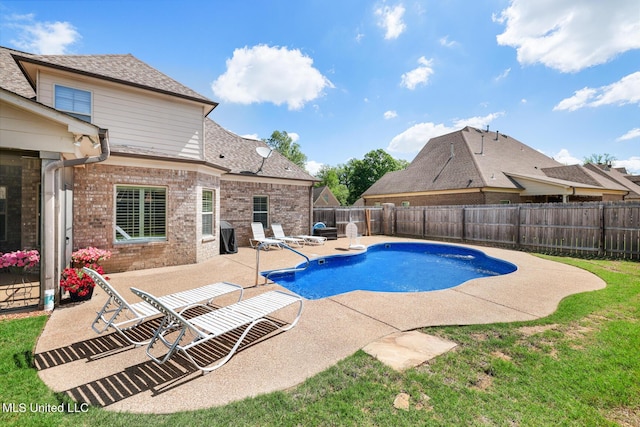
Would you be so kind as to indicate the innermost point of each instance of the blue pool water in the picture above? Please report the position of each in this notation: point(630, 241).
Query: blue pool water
point(392, 267)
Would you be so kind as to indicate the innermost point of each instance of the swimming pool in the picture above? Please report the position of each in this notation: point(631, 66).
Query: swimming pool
point(392, 267)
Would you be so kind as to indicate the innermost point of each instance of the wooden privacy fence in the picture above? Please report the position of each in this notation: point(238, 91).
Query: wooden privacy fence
point(368, 220)
point(586, 229)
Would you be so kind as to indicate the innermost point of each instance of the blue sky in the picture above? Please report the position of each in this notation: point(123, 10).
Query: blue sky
point(347, 77)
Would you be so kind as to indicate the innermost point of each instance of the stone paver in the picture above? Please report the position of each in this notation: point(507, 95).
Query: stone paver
point(403, 350)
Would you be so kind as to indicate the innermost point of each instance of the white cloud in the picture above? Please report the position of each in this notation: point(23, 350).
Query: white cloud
point(564, 157)
point(624, 91)
point(390, 114)
point(633, 133)
point(270, 74)
point(44, 38)
point(632, 164)
point(418, 76)
point(479, 122)
point(444, 41)
point(391, 21)
point(294, 136)
point(251, 136)
point(414, 138)
point(503, 75)
point(567, 35)
point(313, 167)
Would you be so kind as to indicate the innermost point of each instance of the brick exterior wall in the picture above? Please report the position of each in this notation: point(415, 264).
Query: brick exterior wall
point(289, 205)
point(30, 202)
point(93, 216)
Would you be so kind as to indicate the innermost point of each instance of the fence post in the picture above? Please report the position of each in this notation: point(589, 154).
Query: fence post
point(601, 244)
point(517, 226)
point(387, 219)
point(463, 230)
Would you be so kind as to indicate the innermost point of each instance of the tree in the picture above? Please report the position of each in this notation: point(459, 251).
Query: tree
point(362, 174)
point(330, 176)
point(599, 159)
point(282, 143)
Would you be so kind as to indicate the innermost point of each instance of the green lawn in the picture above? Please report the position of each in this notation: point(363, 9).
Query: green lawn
point(577, 367)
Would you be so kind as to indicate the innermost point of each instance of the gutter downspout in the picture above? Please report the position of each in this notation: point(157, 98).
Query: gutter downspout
point(48, 282)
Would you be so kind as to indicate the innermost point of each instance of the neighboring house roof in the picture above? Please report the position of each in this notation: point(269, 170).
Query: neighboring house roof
point(475, 158)
point(323, 196)
point(239, 155)
point(620, 176)
point(124, 69)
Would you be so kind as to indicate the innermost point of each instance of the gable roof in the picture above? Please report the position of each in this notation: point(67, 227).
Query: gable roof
point(467, 158)
point(239, 155)
point(124, 69)
point(619, 176)
point(11, 77)
point(475, 158)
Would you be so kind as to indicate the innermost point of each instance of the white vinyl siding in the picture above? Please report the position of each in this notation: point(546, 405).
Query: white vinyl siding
point(162, 124)
point(141, 213)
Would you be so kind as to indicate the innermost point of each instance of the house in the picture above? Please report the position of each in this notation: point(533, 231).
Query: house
point(106, 151)
point(323, 197)
point(474, 166)
point(620, 176)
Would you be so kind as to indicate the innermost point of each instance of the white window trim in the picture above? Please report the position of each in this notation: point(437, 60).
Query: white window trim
point(208, 236)
point(126, 238)
point(75, 114)
point(253, 211)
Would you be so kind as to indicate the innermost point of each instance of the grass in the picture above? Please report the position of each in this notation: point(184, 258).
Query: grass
point(577, 367)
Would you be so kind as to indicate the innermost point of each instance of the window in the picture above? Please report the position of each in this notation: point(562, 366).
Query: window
point(261, 210)
point(405, 204)
point(207, 212)
point(3, 213)
point(75, 102)
point(141, 213)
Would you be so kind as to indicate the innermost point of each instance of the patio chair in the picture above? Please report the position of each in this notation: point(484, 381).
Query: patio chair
point(351, 231)
point(259, 237)
point(118, 314)
point(182, 335)
point(278, 234)
point(313, 240)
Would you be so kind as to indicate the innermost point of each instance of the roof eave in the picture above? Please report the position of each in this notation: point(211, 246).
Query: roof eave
point(37, 62)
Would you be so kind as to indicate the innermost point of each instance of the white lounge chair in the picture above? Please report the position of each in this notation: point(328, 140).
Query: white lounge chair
point(178, 334)
point(278, 234)
point(259, 237)
point(313, 240)
point(118, 314)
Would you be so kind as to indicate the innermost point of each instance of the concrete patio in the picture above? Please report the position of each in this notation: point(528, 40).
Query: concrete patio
point(101, 370)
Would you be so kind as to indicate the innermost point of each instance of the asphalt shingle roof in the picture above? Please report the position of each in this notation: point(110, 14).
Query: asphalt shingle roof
point(475, 158)
point(11, 77)
point(239, 154)
point(125, 69)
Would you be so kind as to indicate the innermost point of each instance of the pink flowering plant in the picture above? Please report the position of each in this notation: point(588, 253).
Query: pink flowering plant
point(90, 255)
point(19, 261)
point(74, 280)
